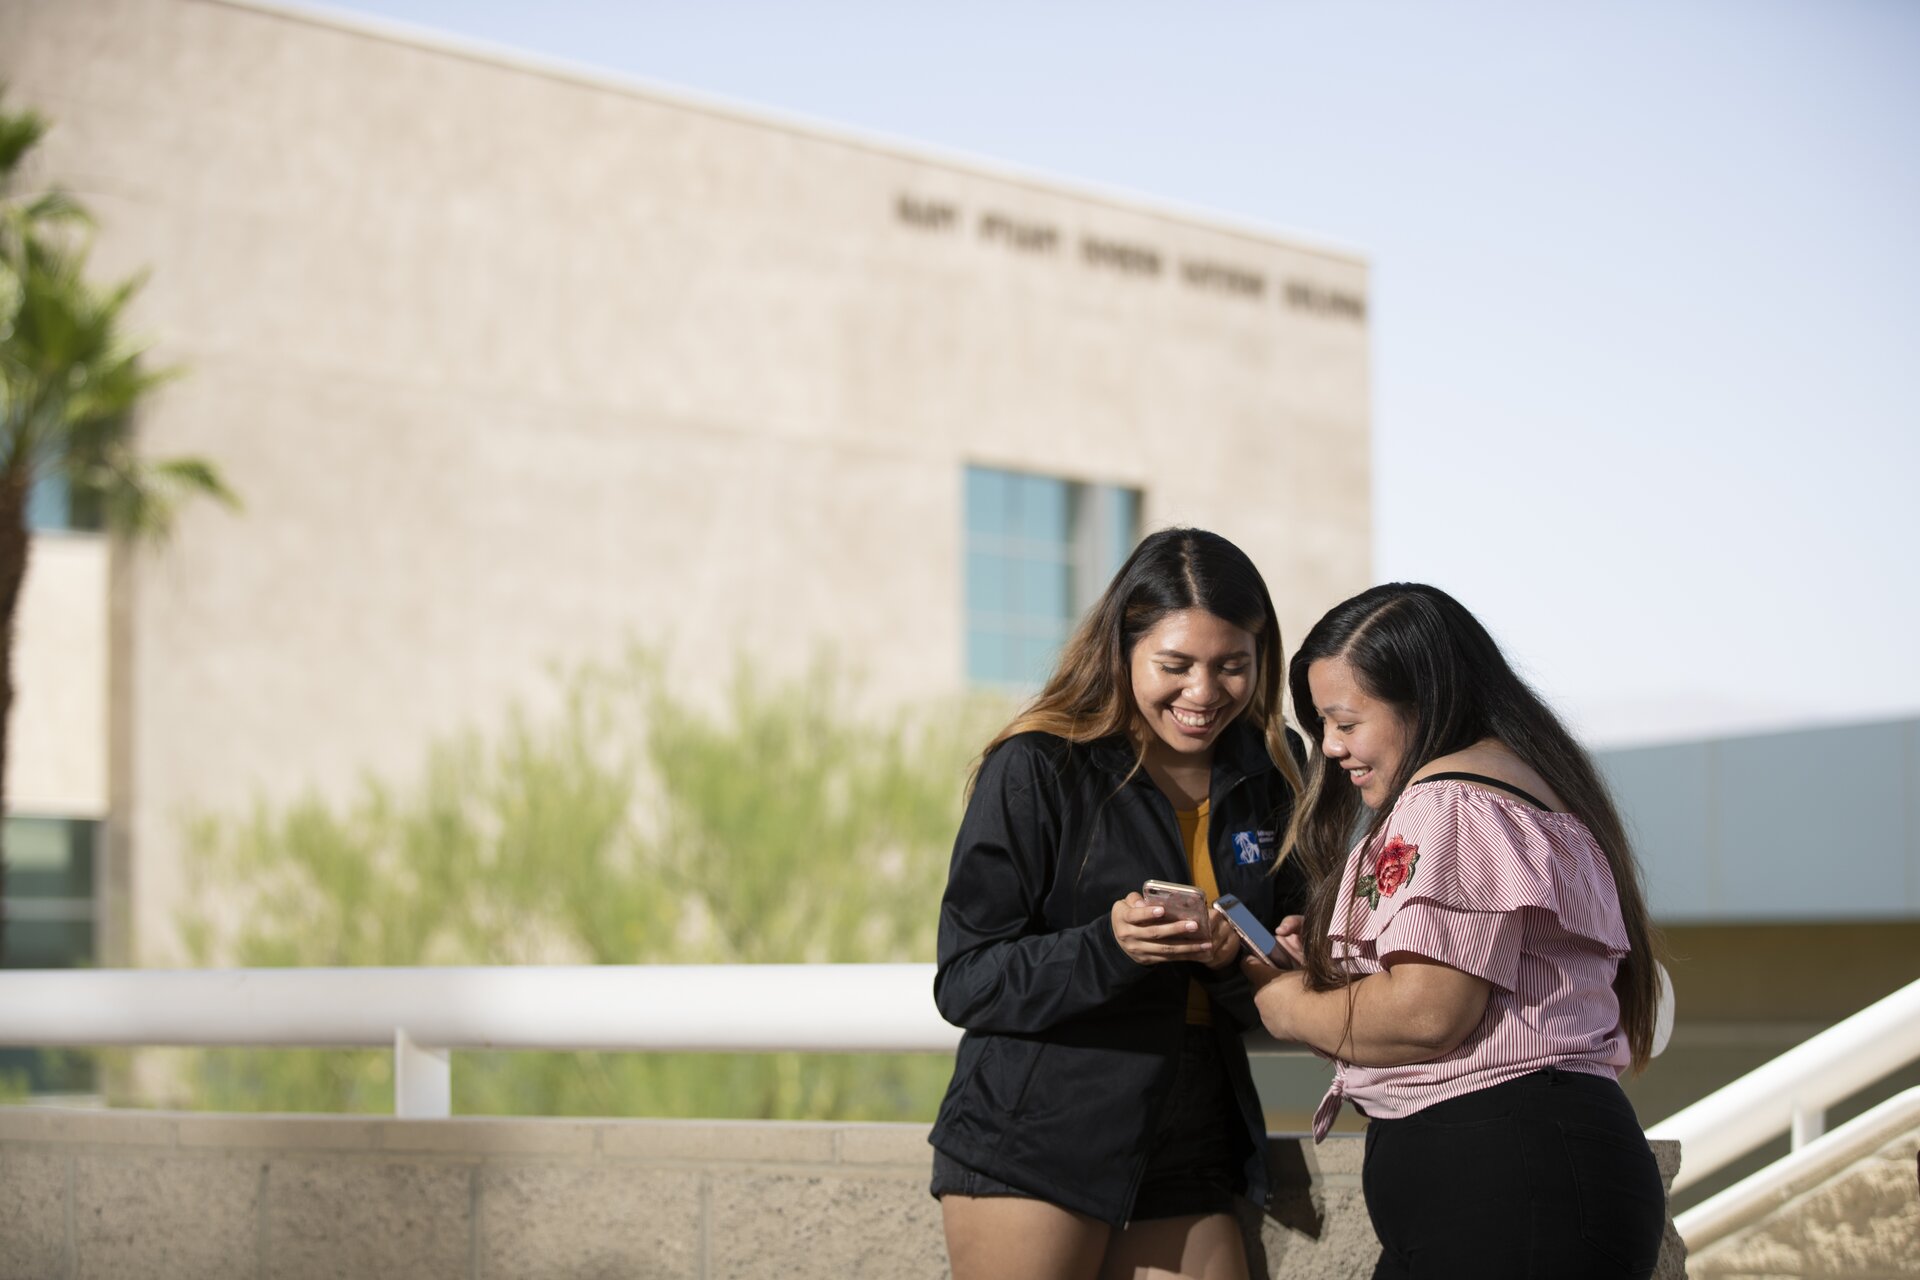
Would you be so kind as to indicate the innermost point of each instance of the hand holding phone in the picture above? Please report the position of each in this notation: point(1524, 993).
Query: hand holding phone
point(1163, 922)
point(1257, 936)
point(1179, 901)
point(1291, 932)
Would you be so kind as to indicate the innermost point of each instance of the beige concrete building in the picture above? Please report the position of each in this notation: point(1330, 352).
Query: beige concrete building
point(515, 364)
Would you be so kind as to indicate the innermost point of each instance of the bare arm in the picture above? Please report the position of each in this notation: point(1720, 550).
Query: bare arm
point(1415, 1011)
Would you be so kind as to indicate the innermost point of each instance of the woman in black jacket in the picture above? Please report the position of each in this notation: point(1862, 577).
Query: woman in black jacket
point(1101, 1115)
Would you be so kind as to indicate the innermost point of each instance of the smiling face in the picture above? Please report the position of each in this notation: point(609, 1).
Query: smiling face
point(1366, 737)
point(1192, 674)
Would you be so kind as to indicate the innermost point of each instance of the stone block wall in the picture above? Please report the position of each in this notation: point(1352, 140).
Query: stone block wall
point(161, 1195)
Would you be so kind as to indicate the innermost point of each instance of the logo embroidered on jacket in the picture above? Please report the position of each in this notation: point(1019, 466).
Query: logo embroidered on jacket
point(1250, 847)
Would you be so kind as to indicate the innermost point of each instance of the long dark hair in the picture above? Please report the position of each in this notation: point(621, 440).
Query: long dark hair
point(1417, 649)
point(1090, 693)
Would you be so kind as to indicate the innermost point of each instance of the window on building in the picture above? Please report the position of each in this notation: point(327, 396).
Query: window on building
point(48, 899)
point(1039, 552)
point(53, 506)
point(49, 892)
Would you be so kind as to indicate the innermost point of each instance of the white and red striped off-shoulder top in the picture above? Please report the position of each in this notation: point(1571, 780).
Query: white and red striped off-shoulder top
point(1501, 889)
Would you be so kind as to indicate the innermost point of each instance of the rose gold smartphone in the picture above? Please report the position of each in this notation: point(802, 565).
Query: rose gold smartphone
point(1182, 901)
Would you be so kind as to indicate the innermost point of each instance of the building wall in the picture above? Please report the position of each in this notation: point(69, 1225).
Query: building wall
point(1784, 871)
point(514, 366)
point(57, 764)
point(57, 761)
point(1802, 826)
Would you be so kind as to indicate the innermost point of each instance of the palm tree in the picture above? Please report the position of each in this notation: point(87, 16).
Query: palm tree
point(70, 380)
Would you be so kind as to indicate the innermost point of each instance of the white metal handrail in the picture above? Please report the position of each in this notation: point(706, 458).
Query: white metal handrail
point(424, 1013)
point(1752, 1198)
point(1791, 1094)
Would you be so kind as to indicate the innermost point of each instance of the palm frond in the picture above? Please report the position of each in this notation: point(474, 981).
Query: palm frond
point(71, 375)
point(142, 499)
point(20, 132)
point(56, 206)
point(198, 476)
point(52, 223)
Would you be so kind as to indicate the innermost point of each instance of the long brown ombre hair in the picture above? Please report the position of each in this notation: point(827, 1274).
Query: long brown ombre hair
point(1417, 649)
point(1090, 693)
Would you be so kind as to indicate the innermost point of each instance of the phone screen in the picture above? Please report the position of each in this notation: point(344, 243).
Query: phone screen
point(1256, 935)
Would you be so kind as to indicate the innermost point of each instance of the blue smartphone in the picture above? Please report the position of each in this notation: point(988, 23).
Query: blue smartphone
point(1257, 936)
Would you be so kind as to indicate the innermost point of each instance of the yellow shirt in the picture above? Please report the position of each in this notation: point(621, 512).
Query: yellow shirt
point(1193, 834)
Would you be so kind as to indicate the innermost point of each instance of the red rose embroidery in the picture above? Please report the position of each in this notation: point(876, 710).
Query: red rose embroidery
point(1395, 865)
point(1391, 869)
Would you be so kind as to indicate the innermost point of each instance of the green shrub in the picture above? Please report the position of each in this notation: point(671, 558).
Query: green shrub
point(628, 827)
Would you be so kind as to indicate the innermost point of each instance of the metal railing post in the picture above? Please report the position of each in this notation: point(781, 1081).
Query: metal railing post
point(1809, 1122)
point(422, 1079)
point(1793, 1091)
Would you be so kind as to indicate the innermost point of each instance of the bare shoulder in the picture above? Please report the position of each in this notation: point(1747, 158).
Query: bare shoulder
point(1491, 758)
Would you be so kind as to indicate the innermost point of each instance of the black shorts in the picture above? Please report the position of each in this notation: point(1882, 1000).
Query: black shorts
point(1192, 1167)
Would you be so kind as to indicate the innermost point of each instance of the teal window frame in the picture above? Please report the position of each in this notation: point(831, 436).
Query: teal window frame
point(1039, 550)
point(51, 901)
point(49, 894)
point(53, 508)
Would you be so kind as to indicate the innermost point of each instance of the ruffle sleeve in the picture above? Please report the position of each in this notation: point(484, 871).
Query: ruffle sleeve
point(1454, 871)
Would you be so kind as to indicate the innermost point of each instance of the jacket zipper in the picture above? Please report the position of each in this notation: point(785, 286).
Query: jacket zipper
point(1153, 1121)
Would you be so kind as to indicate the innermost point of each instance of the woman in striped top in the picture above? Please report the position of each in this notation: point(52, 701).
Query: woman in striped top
point(1480, 964)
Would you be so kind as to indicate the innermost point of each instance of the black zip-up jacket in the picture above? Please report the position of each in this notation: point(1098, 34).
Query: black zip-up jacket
point(1071, 1045)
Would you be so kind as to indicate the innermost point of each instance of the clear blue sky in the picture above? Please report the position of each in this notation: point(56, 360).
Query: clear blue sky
point(1646, 280)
